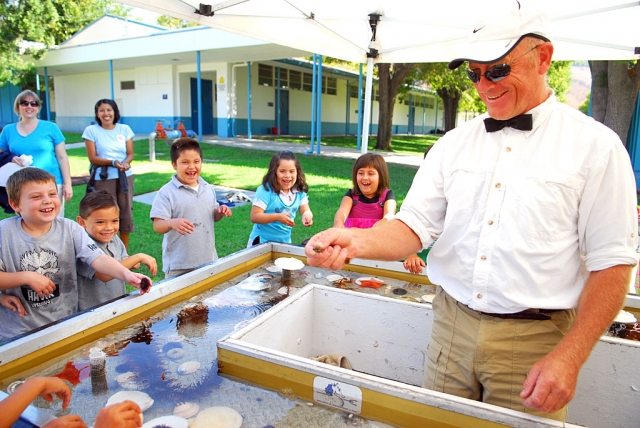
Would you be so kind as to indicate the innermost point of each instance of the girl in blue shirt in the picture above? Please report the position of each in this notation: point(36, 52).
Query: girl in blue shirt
point(283, 192)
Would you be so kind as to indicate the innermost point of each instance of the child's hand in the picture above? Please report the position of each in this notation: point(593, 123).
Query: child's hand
point(148, 261)
point(285, 218)
point(138, 280)
point(67, 421)
point(224, 211)
point(307, 218)
point(50, 386)
point(13, 304)
point(182, 226)
point(414, 264)
point(120, 415)
point(40, 283)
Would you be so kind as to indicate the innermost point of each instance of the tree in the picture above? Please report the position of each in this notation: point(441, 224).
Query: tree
point(559, 79)
point(390, 80)
point(47, 22)
point(614, 88)
point(175, 23)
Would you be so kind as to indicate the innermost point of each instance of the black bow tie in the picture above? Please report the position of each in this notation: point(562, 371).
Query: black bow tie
point(524, 122)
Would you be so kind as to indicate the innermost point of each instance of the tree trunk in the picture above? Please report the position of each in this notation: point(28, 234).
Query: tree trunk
point(389, 84)
point(450, 99)
point(614, 88)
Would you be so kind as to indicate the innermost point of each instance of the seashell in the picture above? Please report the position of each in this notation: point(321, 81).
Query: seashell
point(129, 380)
point(175, 353)
point(334, 278)
point(274, 269)
point(188, 367)
point(171, 421)
point(219, 417)
point(289, 263)
point(186, 410)
point(625, 317)
point(290, 290)
point(428, 298)
point(140, 398)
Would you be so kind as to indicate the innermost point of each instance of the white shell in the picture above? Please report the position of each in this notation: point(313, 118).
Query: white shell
point(274, 269)
point(186, 410)
point(219, 417)
point(334, 278)
point(428, 298)
point(283, 290)
point(289, 263)
point(625, 317)
point(175, 353)
point(167, 421)
point(140, 398)
point(188, 367)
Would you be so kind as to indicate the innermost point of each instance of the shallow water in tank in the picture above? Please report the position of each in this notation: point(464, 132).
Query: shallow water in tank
point(172, 356)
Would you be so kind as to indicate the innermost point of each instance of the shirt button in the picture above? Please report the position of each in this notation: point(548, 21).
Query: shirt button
point(483, 258)
point(479, 296)
point(497, 185)
point(490, 222)
point(508, 149)
point(633, 235)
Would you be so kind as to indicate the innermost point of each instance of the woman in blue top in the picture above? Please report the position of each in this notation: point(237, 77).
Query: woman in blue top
point(40, 139)
point(109, 146)
point(283, 192)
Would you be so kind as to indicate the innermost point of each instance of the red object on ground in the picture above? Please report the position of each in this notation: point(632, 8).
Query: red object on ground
point(182, 129)
point(161, 134)
point(371, 283)
point(75, 372)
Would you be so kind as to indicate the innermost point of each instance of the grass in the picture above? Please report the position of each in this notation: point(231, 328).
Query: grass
point(73, 137)
point(410, 144)
point(328, 180)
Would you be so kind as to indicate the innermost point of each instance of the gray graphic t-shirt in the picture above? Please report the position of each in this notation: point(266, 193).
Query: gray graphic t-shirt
point(52, 255)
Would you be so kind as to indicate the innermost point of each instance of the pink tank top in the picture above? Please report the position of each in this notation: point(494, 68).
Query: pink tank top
point(365, 215)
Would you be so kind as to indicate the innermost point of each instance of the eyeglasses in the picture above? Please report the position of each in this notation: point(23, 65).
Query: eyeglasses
point(497, 72)
point(25, 103)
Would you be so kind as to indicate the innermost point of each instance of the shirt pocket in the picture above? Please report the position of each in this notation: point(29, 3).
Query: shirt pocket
point(464, 190)
point(547, 204)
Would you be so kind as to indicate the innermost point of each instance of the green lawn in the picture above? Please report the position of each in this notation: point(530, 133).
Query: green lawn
point(411, 144)
point(328, 180)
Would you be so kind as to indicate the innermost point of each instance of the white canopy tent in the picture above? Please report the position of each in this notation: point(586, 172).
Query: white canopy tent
point(408, 30)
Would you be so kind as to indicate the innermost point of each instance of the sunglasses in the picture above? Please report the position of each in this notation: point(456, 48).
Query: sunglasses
point(497, 72)
point(25, 103)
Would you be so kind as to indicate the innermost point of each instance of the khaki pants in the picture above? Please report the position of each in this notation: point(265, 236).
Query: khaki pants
point(485, 358)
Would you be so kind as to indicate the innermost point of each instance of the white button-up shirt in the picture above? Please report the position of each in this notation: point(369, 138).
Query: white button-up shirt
point(522, 217)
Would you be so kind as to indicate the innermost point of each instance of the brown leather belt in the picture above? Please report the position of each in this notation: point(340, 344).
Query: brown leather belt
point(528, 314)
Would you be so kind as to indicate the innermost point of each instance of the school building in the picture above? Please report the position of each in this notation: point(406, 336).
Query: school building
point(155, 74)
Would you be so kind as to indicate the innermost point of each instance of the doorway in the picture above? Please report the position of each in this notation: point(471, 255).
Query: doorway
point(207, 105)
point(284, 112)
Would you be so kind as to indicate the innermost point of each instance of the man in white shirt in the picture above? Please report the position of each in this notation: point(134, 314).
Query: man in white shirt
point(533, 206)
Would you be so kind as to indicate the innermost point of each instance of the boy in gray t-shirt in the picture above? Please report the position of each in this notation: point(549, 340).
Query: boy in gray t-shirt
point(38, 254)
point(184, 211)
point(100, 217)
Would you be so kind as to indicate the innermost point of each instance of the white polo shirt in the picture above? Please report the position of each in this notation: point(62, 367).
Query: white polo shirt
point(521, 217)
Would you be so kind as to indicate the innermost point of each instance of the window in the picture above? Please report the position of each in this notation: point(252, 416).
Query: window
point(353, 90)
point(265, 75)
point(307, 82)
point(127, 84)
point(330, 87)
point(295, 79)
point(284, 78)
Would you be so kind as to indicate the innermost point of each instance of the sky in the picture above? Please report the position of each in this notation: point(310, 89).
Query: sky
point(146, 16)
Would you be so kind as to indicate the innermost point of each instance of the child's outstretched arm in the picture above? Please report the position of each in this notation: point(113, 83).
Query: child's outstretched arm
point(133, 262)
point(390, 206)
point(260, 217)
point(13, 304)
point(222, 212)
point(110, 266)
point(12, 407)
point(343, 212)
point(40, 283)
point(180, 225)
point(414, 264)
point(306, 214)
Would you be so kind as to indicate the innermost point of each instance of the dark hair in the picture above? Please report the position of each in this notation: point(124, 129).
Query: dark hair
point(23, 176)
point(270, 180)
point(96, 200)
point(181, 144)
point(377, 162)
point(114, 106)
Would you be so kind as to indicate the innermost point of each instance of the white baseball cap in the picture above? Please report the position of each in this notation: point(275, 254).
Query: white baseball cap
point(494, 37)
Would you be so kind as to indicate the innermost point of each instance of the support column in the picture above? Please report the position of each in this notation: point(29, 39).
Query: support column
point(359, 108)
point(46, 93)
point(111, 78)
point(249, 99)
point(199, 95)
point(223, 100)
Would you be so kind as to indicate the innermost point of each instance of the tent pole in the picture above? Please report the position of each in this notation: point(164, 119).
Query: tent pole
point(359, 130)
point(319, 108)
point(367, 106)
point(313, 104)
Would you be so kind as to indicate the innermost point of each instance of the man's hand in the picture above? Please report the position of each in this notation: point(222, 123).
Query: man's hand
point(332, 248)
point(551, 383)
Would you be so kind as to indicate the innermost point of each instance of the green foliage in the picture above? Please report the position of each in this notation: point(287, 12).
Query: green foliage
point(584, 107)
point(49, 22)
point(175, 23)
point(559, 78)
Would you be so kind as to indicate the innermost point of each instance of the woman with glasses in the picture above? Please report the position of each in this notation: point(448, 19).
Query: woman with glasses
point(109, 147)
point(40, 139)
